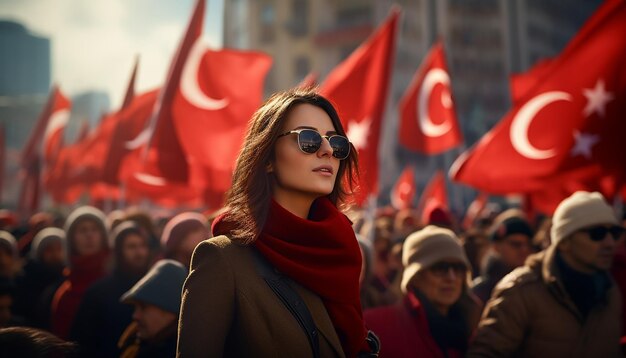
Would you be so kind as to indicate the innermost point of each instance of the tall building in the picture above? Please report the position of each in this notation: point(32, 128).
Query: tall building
point(24, 61)
point(485, 41)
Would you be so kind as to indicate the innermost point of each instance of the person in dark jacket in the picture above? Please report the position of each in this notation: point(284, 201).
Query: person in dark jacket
point(102, 318)
point(42, 272)
point(88, 255)
point(511, 238)
point(9, 257)
point(562, 302)
point(156, 301)
point(437, 315)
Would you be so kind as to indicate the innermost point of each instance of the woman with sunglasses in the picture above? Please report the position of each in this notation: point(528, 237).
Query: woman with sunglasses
point(280, 277)
point(437, 316)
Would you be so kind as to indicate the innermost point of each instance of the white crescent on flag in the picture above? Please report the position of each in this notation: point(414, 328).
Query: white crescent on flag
point(433, 77)
point(524, 117)
point(189, 86)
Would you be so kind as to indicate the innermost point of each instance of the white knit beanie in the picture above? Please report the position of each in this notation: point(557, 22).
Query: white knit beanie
point(582, 209)
point(425, 248)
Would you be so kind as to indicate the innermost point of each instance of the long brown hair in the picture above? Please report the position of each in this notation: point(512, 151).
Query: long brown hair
point(249, 197)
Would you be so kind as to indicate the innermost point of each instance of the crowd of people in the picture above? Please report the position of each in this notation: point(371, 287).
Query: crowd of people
point(281, 271)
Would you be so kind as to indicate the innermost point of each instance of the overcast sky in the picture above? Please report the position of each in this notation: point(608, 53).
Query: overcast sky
point(94, 42)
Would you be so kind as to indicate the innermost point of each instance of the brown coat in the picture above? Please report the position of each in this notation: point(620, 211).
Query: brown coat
point(228, 310)
point(530, 314)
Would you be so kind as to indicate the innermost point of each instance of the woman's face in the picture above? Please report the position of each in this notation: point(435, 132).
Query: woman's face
point(442, 283)
point(88, 238)
point(299, 174)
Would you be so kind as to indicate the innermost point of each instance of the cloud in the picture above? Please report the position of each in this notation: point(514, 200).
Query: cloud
point(94, 43)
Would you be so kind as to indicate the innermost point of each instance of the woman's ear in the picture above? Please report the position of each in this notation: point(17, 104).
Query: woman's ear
point(269, 168)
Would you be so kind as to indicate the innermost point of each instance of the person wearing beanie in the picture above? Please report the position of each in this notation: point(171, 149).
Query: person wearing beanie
point(437, 315)
point(182, 234)
point(510, 237)
point(562, 302)
point(156, 300)
point(42, 273)
point(8, 255)
point(88, 255)
point(102, 318)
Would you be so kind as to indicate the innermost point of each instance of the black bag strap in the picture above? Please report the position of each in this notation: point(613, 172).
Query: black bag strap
point(290, 298)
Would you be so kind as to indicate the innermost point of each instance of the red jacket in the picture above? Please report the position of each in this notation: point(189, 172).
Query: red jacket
point(403, 330)
point(85, 271)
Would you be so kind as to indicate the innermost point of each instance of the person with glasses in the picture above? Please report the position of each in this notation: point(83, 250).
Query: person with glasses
point(437, 315)
point(563, 302)
point(510, 244)
point(281, 275)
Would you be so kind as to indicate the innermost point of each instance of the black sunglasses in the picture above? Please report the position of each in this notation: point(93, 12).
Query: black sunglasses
point(310, 141)
point(598, 233)
point(442, 268)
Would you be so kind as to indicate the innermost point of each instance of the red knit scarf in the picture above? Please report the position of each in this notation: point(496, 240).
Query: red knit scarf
point(321, 254)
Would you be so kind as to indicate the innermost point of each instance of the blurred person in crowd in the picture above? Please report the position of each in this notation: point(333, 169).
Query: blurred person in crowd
point(384, 272)
point(510, 237)
point(563, 302)
point(476, 245)
point(156, 302)
point(367, 296)
point(145, 221)
point(281, 236)
point(33, 343)
point(182, 234)
point(436, 214)
point(41, 274)
point(541, 240)
point(9, 257)
point(405, 222)
point(36, 223)
point(8, 220)
point(618, 271)
point(88, 254)
point(436, 316)
point(114, 218)
point(102, 318)
point(7, 292)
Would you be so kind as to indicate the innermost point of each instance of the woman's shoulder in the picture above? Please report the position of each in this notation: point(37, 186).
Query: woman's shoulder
point(223, 247)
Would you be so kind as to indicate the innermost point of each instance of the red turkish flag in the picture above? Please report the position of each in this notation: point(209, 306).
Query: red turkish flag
point(161, 158)
point(569, 126)
point(435, 193)
point(403, 192)
point(49, 130)
point(523, 83)
point(359, 87)
point(474, 209)
point(218, 93)
point(428, 121)
point(53, 136)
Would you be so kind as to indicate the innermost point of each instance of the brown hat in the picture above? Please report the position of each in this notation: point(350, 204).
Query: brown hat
point(426, 247)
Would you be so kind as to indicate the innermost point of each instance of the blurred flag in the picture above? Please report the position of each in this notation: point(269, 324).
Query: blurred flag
point(359, 87)
point(162, 161)
point(434, 194)
point(55, 129)
point(217, 95)
point(49, 131)
point(403, 192)
point(569, 127)
point(428, 122)
point(474, 210)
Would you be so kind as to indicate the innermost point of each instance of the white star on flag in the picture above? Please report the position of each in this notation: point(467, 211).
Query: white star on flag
point(358, 132)
point(597, 98)
point(583, 144)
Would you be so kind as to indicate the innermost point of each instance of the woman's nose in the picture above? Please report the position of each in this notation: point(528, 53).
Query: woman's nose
point(325, 148)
